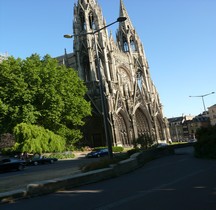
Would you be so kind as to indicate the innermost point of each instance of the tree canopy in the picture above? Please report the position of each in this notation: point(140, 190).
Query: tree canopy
point(36, 139)
point(43, 93)
point(205, 146)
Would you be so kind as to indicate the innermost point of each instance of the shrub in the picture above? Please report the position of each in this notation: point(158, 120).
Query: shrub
point(103, 163)
point(33, 138)
point(145, 141)
point(62, 155)
point(205, 146)
point(114, 148)
point(133, 151)
point(118, 149)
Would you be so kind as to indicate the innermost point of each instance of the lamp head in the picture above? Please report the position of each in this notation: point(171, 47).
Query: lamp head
point(68, 36)
point(121, 19)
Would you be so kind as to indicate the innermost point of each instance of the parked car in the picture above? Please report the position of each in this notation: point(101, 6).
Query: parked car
point(192, 140)
point(98, 153)
point(37, 159)
point(10, 164)
point(160, 145)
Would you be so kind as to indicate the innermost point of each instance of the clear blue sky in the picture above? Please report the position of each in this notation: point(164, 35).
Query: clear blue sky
point(179, 37)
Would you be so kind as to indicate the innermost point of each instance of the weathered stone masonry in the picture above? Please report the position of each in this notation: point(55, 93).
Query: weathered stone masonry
point(133, 103)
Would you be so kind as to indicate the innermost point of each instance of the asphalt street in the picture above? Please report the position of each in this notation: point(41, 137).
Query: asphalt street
point(176, 182)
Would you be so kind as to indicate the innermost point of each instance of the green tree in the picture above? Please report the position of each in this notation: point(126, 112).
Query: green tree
point(33, 138)
point(144, 141)
point(205, 146)
point(42, 92)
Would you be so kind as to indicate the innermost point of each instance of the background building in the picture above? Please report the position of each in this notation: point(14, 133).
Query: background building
point(212, 114)
point(184, 128)
point(132, 101)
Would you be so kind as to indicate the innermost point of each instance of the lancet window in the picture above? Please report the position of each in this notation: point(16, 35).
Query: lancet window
point(82, 20)
point(125, 45)
point(139, 78)
point(86, 68)
point(91, 21)
point(132, 45)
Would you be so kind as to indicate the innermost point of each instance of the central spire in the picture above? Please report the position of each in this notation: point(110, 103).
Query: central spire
point(123, 13)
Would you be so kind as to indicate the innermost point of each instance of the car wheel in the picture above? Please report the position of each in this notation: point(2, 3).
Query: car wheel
point(35, 163)
point(51, 161)
point(20, 167)
point(98, 156)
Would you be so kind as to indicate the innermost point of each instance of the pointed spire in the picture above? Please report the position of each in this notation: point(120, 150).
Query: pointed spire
point(123, 13)
point(125, 33)
point(127, 38)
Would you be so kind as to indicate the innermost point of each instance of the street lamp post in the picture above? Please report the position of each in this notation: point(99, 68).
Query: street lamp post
point(202, 96)
point(101, 86)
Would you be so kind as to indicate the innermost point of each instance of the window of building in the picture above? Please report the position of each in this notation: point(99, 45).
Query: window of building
point(132, 45)
point(125, 45)
point(139, 78)
point(82, 20)
point(91, 21)
point(86, 68)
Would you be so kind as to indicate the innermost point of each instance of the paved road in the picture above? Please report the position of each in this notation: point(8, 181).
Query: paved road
point(19, 179)
point(178, 182)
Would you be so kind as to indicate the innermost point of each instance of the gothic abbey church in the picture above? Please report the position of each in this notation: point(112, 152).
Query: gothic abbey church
point(131, 101)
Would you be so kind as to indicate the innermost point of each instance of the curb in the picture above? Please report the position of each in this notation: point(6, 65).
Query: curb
point(49, 186)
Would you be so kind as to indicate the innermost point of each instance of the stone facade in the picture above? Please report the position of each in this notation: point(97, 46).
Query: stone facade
point(132, 101)
point(183, 129)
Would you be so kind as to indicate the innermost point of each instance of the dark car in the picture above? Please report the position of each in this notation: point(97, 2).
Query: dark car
point(162, 145)
point(36, 160)
point(10, 164)
point(98, 153)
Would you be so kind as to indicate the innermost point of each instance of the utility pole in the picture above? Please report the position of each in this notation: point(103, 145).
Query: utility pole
point(202, 96)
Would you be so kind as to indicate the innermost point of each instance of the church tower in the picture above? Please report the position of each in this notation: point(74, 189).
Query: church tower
point(132, 101)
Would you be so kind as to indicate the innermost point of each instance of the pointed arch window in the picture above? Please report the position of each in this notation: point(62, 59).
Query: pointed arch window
point(86, 68)
point(91, 21)
point(139, 78)
point(100, 63)
point(132, 45)
point(82, 20)
point(125, 45)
